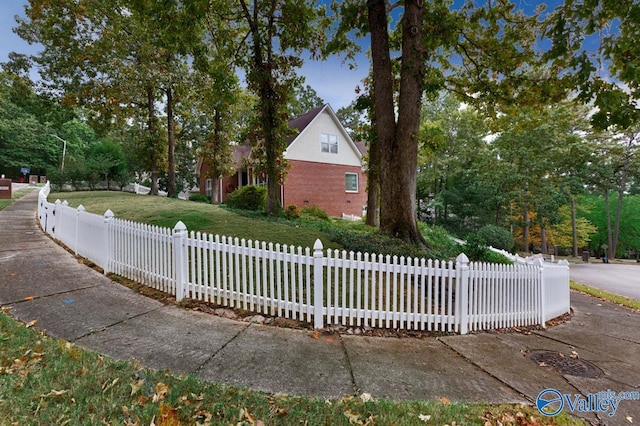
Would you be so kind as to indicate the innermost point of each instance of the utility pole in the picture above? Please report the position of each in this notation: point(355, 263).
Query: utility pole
point(64, 150)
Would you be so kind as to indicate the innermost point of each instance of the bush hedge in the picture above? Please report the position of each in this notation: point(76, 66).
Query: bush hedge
point(248, 198)
point(496, 236)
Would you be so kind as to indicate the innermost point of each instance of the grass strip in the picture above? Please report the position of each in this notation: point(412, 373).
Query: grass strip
point(605, 295)
point(48, 381)
point(15, 195)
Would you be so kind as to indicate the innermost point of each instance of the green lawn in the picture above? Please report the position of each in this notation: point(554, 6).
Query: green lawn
point(47, 381)
point(15, 195)
point(202, 217)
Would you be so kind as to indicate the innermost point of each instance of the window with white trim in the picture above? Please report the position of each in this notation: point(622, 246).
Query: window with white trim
point(351, 182)
point(329, 143)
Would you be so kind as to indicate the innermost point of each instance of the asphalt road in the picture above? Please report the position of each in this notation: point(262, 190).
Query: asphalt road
point(622, 279)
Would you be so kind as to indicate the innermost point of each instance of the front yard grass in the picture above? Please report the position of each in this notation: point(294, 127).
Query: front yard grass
point(48, 381)
point(213, 219)
point(334, 233)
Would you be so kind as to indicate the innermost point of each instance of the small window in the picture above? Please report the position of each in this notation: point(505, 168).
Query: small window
point(329, 143)
point(351, 182)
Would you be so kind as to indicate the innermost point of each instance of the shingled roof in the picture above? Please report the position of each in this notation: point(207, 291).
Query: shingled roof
point(301, 122)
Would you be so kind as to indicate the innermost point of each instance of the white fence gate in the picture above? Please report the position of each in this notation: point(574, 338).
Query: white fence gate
point(332, 287)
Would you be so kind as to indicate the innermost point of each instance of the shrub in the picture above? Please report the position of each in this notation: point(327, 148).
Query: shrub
point(496, 236)
point(248, 198)
point(474, 248)
point(199, 198)
point(315, 211)
point(292, 212)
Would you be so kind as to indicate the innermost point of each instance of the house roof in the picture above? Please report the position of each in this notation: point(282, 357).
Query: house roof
point(241, 152)
point(301, 122)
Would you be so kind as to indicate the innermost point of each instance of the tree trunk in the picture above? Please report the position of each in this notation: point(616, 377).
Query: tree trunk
point(574, 226)
point(215, 173)
point(543, 237)
point(151, 128)
point(268, 113)
point(171, 175)
point(607, 212)
point(398, 142)
point(525, 228)
point(623, 183)
point(265, 83)
point(373, 182)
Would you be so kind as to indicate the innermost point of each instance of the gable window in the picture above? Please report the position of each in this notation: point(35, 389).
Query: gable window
point(351, 182)
point(329, 143)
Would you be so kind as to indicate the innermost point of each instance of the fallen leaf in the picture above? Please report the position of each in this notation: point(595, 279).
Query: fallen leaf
point(354, 419)
point(315, 334)
point(168, 415)
point(574, 354)
point(28, 298)
point(630, 419)
point(32, 323)
point(162, 390)
point(54, 393)
point(444, 400)
point(366, 397)
point(424, 417)
point(106, 386)
point(136, 385)
point(245, 415)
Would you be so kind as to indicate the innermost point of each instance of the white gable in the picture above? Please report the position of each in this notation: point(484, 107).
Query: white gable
point(308, 147)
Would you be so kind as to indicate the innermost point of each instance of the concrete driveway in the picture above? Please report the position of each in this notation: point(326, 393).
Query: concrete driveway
point(622, 279)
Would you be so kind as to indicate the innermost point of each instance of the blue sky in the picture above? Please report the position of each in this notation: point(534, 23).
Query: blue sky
point(334, 81)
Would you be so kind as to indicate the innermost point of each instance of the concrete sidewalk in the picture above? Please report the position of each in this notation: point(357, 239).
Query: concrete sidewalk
point(41, 281)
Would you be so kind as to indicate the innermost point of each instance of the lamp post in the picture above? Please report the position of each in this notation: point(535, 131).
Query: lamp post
point(64, 149)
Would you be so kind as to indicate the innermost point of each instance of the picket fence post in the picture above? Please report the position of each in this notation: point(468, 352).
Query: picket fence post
point(56, 221)
point(318, 285)
point(108, 217)
point(462, 292)
point(179, 260)
point(543, 290)
point(79, 210)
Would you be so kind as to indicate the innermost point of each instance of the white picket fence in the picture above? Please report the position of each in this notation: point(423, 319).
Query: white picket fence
point(314, 285)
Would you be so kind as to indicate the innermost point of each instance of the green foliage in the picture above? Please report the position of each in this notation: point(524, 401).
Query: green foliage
point(315, 211)
point(199, 198)
point(474, 248)
point(248, 198)
point(629, 239)
point(496, 236)
point(292, 212)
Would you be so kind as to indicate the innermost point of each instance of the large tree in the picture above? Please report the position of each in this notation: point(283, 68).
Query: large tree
point(277, 32)
point(595, 44)
point(118, 59)
point(485, 54)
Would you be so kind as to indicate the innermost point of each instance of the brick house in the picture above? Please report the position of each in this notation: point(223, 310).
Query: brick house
point(326, 167)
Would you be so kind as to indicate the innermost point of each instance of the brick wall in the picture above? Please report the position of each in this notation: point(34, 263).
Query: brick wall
point(309, 183)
